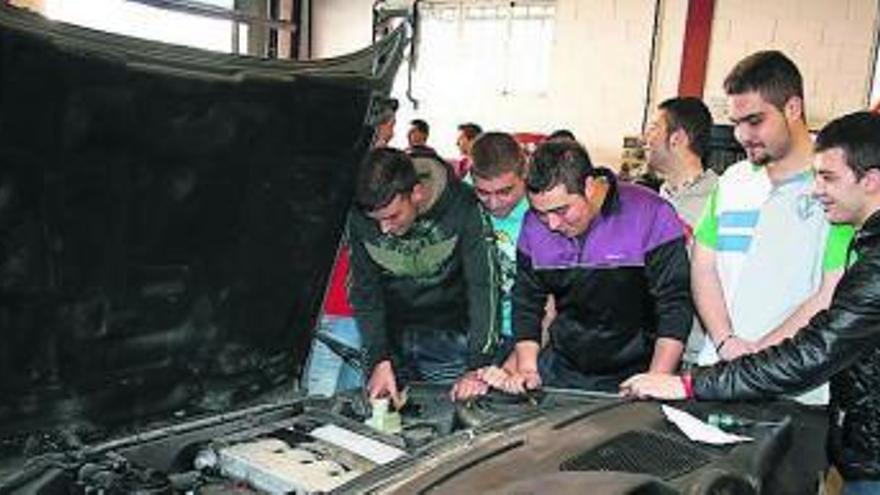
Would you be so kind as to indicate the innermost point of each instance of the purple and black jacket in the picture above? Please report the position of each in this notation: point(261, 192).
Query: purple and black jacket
point(618, 287)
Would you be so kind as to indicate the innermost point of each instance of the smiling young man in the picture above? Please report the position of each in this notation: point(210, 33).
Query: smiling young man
point(423, 280)
point(842, 343)
point(613, 257)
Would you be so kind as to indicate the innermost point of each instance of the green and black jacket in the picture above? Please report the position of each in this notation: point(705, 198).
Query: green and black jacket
point(440, 275)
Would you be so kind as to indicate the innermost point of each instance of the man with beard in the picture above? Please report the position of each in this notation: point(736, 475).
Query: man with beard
point(676, 141)
point(762, 232)
point(842, 343)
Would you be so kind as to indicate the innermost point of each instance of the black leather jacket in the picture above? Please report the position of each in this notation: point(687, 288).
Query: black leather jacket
point(841, 344)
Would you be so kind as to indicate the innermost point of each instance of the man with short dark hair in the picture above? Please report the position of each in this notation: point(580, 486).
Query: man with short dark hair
point(384, 132)
point(423, 280)
point(561, 135)
point(761, 229)
point(841, 343)
point(332, 365)
point(498, 173)
point(763, 232)
point(498, 176)
point(467, 133)
point(417, 136)
point(676, 141)
point(613, 256)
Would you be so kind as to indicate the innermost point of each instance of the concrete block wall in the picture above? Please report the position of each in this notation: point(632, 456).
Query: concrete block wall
point(669, 50)
point(340, 26)
point(598, 81)
point(831, 41)
point(600, 59)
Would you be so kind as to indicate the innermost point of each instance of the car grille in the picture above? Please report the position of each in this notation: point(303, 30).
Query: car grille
point(644, 452)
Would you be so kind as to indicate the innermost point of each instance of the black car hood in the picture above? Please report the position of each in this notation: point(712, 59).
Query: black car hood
point(168, 218)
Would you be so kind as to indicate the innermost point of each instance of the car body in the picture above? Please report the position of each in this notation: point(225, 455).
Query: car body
point(168, 221)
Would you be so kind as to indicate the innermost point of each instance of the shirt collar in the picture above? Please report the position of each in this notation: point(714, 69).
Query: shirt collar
point(668, 190)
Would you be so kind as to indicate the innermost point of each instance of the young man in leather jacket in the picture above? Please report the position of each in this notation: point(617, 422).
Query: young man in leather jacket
point(841, 343)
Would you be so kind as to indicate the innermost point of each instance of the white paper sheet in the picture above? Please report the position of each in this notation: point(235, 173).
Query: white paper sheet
point(700, 431)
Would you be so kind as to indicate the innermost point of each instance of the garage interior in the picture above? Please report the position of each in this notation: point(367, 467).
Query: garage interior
point(528, 67)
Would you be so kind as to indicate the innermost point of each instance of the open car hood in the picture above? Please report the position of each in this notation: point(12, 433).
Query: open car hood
point(168, 218)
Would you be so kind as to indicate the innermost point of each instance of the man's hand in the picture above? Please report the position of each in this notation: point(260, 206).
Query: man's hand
point(479, 382)
point(735, 347)
point(383, 384)
point(519, 381)
point(494, 376)
point(519, 374)
point(653, 386)
point(470, 385)
point(509, 380)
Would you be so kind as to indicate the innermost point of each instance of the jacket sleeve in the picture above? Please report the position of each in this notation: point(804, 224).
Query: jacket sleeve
point(366, 296)
point(669, 281)
point(480, 271)
point(832, 341)
point(529, 299)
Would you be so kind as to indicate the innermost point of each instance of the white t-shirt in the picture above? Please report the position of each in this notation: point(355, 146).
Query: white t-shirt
point(772, 246)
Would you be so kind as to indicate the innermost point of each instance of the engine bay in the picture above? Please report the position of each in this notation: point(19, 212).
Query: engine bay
point(303, 447)
point(311, 446)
